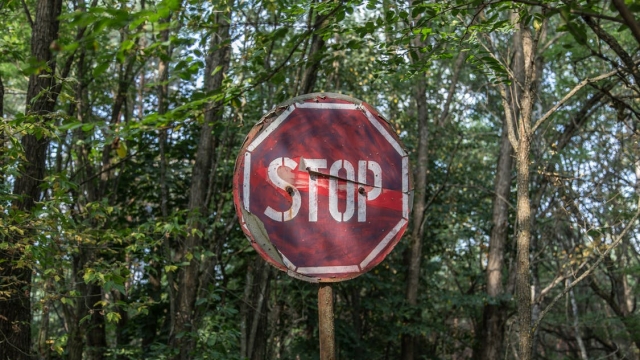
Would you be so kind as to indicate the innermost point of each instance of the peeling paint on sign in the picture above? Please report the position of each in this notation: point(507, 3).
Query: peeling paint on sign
point(322, 187)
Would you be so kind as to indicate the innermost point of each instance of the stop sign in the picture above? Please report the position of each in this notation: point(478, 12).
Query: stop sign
point(322, 187)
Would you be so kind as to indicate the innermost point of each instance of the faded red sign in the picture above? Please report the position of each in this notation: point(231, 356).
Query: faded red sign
point(322, 187)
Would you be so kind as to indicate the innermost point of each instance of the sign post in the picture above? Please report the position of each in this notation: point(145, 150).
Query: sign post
point(322, 191)
point(325, 324)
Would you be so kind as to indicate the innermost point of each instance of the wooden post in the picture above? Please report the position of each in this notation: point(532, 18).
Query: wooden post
point(326, 325)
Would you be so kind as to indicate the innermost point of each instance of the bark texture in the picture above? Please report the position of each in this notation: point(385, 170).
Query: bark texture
point(495, 312)
point(15, 312)
point(523, 284)
point(576, 324)
point(419, 203)
point(523, 211)
point(326, 327)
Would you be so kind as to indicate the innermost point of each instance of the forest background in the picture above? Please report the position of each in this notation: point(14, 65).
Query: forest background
point(121, 121)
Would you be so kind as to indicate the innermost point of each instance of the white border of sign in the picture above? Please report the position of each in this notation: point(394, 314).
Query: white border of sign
point(405, 184)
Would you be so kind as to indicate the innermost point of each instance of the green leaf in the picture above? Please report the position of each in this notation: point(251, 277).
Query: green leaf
point(100, 69)
point(113, 317)
point(71, 47)
point(280, 33)
point(216, 70)
point(107, 286)
point(127, 45)
point(66, 301)
point(89, 276)
point(354, 44)
point(70, 126)
point(120, 288)
point(278, 78)
point(172, 5)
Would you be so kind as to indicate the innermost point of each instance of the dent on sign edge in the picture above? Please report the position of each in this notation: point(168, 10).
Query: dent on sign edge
point(256, 227)
point(254, 223)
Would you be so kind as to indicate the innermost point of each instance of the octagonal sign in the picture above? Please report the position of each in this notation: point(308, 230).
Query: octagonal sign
point(322, 187)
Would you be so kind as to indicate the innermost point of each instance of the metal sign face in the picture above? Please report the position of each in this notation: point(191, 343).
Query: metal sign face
point(322, 187)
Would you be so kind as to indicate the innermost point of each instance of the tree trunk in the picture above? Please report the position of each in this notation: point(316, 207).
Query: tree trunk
point(256, 344)
point(635, 137)
point(576, 323)
point(637, 164)
point(315, 55)
point(75, 340)
point(254, 310)
point(245, 313)
point(188, 275)
point(523, 211)
point(44, 33)
point(43, 332)
point(96, 341)
point(313, 62)
point(2, 106)
point(419, 203)
point(125, 79)
point(15, 313)
point(123, 337)
point(163, 93)
point(637, 169)
point(96, 332)
point(2, 136)
point(495, 311)
point(523, 286)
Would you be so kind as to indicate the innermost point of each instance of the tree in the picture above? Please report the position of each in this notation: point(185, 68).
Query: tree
point(187, 292)
point(15, 316)
point(520, 119)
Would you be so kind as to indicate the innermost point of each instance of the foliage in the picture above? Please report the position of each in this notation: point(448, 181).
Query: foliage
point(104, 241)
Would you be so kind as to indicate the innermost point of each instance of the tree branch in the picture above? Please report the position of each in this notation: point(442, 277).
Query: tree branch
point(608, 298)
point(569, 95)
point(628, 18)
point(579, 118)
point(441, 188)
point(615, 46)
point(452, 87)
point(26, 11)
point(588, 272)
point(508, 118)
point(572, 11)
point(548, 288)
